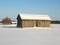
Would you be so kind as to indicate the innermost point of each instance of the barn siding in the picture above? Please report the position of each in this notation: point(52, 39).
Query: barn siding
point(43, 23)
point(27, 23)
point(47, 23)
point(40, 23)
point(35, 23)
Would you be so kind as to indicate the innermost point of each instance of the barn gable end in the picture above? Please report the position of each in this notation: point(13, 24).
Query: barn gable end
point(19, 21)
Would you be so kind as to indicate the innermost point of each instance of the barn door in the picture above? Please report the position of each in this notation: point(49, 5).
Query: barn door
point(38, 23)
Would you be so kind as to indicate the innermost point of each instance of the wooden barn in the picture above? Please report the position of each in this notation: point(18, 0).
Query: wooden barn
point(33, 20)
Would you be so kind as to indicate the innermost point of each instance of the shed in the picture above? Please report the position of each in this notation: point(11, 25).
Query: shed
point(33, 20)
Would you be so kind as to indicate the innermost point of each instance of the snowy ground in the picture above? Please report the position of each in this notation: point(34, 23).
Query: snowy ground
point(10, 35)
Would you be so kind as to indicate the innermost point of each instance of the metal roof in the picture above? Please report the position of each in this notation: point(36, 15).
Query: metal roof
point(35, 17)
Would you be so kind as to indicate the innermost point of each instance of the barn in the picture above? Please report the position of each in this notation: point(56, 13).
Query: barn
point(33, 20)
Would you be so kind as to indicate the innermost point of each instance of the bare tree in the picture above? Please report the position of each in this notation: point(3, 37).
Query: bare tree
point(6, 21)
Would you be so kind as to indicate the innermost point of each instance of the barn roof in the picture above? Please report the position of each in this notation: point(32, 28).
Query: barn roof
point(35, 17)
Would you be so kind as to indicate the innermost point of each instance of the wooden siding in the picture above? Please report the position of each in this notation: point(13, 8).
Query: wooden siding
point(47, 24)
point(35, 23)
point(43, 23)
point(27, 23)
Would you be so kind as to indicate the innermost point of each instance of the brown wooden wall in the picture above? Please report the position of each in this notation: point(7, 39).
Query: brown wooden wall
point(27, 23)
point(37, 23)
point(43, 23)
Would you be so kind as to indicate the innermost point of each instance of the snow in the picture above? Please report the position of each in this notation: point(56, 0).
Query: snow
point(10, 35)
point(35, 17)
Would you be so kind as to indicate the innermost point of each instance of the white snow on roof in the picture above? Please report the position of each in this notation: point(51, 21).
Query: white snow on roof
point(35, 17)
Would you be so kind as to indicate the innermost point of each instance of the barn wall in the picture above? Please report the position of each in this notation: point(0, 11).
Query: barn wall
point(35, 23)
point(27, 23)
point(47, 23)
point(43, 23)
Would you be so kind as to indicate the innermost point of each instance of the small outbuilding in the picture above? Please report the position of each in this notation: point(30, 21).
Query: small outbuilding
point(6, 21)
point(33, 20)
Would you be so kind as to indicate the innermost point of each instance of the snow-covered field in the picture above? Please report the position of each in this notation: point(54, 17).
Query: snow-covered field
point(10, 35)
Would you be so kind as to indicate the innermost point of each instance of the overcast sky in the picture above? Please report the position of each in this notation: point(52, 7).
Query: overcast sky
point(10, 8)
